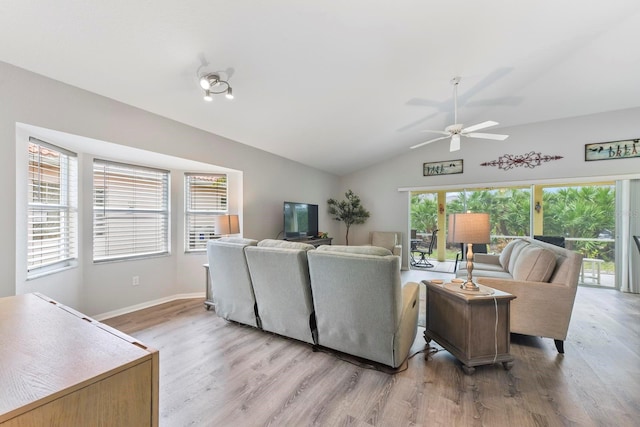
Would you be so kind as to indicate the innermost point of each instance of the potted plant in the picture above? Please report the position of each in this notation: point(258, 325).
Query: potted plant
point(349, 211)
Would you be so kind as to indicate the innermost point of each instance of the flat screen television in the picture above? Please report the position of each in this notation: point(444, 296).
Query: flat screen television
point(300, 220)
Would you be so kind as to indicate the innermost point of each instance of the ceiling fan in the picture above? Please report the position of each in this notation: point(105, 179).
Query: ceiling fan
point(455, 131)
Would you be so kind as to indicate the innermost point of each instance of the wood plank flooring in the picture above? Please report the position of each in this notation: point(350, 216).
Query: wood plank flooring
point(216, 373)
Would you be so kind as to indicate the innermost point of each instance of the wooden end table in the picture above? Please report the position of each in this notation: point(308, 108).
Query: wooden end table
point(465, 324)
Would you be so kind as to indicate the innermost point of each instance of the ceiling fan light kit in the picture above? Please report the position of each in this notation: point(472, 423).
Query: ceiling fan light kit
point(212, 84)
point(456, 130)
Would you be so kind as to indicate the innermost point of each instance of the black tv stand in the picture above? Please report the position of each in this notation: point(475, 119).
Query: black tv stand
point(315, 241)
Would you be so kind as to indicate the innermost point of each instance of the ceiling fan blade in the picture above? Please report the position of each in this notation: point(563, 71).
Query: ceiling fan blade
point(455, 143)
point(441, 132)
point(428, 142)
point(479, 126)
point(495, 136)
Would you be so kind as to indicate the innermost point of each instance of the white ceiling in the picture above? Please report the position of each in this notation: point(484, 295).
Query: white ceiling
point(337, 85)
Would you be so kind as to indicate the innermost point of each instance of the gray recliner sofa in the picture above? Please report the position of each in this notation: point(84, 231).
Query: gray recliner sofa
point(280, 277)
point(361, 306)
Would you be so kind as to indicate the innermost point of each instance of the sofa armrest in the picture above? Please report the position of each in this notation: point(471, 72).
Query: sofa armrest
point(408, 327)
point(540, 308)
point(486, 258)
point(397, 250)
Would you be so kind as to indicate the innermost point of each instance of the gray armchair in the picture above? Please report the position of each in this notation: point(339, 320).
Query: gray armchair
point(233, 296)
point(391, 240)
point(361, 307)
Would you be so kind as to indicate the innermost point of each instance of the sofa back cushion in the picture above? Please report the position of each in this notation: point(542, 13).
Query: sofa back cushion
point(272, 243)
point(359, 250)
point(505, 255)
point(534, 264)
point(518, 246)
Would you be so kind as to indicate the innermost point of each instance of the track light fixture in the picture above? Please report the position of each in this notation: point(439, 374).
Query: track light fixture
point(212, 84)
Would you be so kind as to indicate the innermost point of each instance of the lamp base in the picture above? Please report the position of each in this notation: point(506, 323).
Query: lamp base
point(469, 286)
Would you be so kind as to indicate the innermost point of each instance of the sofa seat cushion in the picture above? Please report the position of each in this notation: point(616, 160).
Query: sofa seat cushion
point(485, 273)
point(359, 250)
point(481, 266)
point(534, 264)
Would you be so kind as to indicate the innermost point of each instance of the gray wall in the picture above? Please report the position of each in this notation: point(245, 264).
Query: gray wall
point(36, 101)
point(378, 186)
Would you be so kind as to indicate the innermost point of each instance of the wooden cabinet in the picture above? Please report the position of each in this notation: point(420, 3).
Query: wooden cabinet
point(474, 327)
point(61, 368)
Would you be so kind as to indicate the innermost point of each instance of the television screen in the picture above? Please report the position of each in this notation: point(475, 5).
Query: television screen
point(300, 220)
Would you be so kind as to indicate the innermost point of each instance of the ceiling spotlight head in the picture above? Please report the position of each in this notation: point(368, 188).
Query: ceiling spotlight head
point(229, 94)
point(207, 96)
point(206, 82)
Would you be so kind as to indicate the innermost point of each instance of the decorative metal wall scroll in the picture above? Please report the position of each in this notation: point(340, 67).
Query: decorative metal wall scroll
point(612, 150)
point(528, 160)
point(448, 167)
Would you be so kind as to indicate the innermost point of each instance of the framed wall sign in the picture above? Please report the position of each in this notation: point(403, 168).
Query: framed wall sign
point(448, 167)
point(612, 150)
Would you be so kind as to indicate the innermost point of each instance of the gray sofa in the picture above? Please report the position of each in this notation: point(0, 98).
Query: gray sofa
point(348, 299)
point(543, 277)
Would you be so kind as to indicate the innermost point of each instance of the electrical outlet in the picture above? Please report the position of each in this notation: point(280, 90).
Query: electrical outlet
point(135, 280)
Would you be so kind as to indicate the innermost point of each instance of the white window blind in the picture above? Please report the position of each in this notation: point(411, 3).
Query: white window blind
point(130, 211)
point(52, 207)
point(205, 197)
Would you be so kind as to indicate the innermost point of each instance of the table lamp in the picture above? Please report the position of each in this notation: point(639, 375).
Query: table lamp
point(226, 224)
point(469, 228)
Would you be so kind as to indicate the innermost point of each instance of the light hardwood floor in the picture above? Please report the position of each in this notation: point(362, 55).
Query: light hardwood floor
point(213, 372)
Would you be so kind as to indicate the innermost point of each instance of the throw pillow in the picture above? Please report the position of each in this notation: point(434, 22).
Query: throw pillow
point(534, 264)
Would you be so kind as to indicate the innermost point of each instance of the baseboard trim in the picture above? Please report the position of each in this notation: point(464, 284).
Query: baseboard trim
point(147, 304)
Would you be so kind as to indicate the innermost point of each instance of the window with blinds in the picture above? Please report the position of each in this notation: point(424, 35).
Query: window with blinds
point(52, 208)
point(205, 197)
point(130, 211)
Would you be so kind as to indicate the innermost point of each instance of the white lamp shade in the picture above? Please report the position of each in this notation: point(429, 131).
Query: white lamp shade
point(227, 224)
point(469, 228)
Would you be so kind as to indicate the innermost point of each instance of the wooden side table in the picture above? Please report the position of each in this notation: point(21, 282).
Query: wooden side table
point(208, 300)
point(465, 324)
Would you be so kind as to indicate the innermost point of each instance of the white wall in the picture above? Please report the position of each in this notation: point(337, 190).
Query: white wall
point(267, 180)
point(378, 186)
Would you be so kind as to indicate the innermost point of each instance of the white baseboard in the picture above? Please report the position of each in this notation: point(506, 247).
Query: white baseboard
point(147, 304)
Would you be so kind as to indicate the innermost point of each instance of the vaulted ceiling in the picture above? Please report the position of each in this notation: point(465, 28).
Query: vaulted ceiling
point(337, 85)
